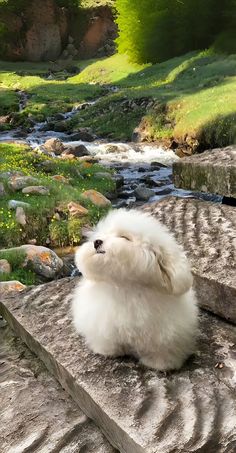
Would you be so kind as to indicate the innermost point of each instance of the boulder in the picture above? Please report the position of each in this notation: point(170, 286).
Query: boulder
point(19, 182)
point(76, 150)
point(10, 287)
point(143, 193)
point(54, 145)
point(213, 171)
point(61, 126)
point(96, 198)
point(36, 190)
point(5, 267)
point(43, 261)
point(48, 24)
point(76, 209)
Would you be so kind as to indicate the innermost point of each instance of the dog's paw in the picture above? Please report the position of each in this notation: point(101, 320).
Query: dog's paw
point(160, 364)
point(107, 350)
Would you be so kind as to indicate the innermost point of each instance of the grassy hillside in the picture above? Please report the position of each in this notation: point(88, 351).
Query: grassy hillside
point(195, 96)
point(41, 221)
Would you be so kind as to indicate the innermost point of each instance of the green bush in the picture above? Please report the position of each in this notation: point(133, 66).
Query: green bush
point(156, 30)
point(59, 232)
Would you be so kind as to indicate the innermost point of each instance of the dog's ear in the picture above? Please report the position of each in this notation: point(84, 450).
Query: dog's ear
point(174, 274)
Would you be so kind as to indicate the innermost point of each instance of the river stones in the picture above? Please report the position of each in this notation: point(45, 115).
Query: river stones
point(143, 193)
point(96, 198)
point(54, 145)
point(76, 150)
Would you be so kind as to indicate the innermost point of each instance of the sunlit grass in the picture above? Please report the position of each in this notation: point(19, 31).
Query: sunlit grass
point(41, 212)
point(196, 92)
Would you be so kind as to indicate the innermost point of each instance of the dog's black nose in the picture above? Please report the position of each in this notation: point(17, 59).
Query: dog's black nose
point(97, 243)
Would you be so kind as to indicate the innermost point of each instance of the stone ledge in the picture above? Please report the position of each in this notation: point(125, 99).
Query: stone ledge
point(213, 171)
point(46, 419)
point(207, 232)
point(139, 410)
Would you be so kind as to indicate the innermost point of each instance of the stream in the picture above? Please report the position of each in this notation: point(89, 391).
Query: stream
point(144, 170)
point(146, 166)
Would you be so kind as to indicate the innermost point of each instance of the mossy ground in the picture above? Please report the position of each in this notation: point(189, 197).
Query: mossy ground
point(195, 96)
point(42, 223)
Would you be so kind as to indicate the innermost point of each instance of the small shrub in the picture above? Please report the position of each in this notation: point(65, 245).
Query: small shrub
point(58, 230)
point(74, 230)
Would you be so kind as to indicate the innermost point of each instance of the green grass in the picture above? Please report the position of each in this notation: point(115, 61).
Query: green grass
point(16, 258)
point(41, 214)
point(195, 96)
point(8, 101)
point(24, 276)
point(46, 97)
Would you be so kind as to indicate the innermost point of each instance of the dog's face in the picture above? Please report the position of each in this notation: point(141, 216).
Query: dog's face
point(131, 247)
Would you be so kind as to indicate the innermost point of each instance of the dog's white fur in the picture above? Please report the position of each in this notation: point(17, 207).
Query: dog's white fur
point(136, 294)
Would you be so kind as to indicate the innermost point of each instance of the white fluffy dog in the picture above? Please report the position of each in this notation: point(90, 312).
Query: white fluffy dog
point(135, 296)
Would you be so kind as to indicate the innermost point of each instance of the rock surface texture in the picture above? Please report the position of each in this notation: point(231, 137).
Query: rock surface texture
point(42, 260)
point(139, 410)
point(38, 33)
point(45, 418)
point(96, 198)
point(207, 232)
point(11, 286)
point(212, 171)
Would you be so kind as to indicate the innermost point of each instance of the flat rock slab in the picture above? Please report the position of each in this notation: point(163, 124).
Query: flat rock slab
point(139, 410)
point(213, 171)
point(207, 232)
point(36, 414)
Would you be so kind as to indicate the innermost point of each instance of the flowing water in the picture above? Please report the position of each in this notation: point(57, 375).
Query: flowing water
point(145, 165)
point(138, 164)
